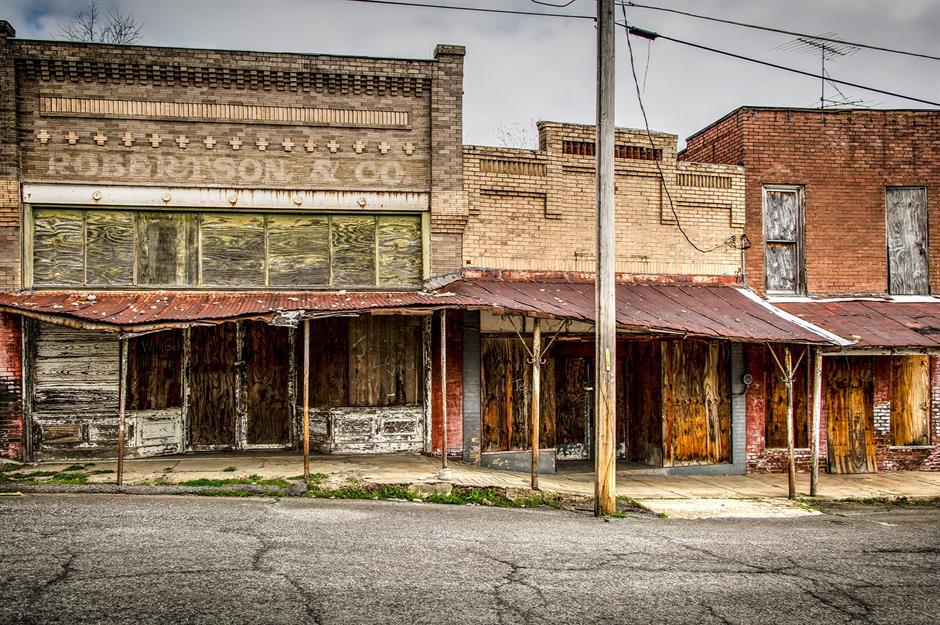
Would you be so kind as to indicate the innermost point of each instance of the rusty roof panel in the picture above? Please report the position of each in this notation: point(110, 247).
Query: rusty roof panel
point(874, 323)
point(709, 311)
point(138, 308)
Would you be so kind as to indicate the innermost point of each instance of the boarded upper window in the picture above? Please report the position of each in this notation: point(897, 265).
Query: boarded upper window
point(783, 238)
point(907, 240)
point(114, 249)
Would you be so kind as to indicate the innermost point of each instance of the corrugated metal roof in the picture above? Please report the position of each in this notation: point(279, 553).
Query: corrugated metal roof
point(708, 311)
point(874, 323)
point(141, 308)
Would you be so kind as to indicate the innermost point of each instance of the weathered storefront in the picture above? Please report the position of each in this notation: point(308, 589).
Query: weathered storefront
point(173, 218)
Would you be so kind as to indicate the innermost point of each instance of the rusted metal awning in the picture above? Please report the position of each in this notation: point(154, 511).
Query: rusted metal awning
point(718, 311)
point(878, 323)
point(142, 310)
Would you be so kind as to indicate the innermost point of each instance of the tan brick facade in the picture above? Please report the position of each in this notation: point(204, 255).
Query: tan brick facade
point(534, 209)
point(843, 159)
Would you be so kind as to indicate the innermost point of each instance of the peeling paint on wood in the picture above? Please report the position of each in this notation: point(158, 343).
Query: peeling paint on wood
point(907, 240)
point(232, 250)
point(109, 248)
point(367, 430)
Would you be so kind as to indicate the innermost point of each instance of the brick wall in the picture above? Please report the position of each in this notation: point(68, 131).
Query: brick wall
point(11, 385)
point(9, 167)
point(534, 209)
point(844, 160)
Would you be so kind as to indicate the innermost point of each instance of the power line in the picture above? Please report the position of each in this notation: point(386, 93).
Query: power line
point(647, 34)
point(425, 5)
point(779, 30)
point(662, 177)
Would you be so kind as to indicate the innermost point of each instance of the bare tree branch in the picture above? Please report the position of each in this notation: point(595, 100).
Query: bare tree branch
point(89, 25)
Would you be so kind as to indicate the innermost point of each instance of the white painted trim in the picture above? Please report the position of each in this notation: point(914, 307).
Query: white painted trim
point(204, 197)
point(898, 299)
point(829, 336)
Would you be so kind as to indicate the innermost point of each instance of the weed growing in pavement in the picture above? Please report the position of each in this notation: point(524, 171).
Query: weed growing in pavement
point(233, 481)
point(229, 469)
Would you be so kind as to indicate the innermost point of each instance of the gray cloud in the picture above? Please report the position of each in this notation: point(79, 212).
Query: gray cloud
point(520, 69)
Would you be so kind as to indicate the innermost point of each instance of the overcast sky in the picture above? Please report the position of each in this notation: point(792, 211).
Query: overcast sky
point(522, 69)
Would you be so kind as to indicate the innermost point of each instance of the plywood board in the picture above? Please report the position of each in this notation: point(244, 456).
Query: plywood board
point(910, 400)
point(907, 240)
point(232, 250)
point(850, 414)
point(399, 251)
point(58, 247)
point(212, 385)
point(155, 371)
point(776, 407)
point(298, 250)
point(266, 376)
point(353, 244)
point(109, 248)
point(167, 249)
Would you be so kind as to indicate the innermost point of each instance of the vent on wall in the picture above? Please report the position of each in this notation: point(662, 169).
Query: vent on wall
point(514, 168)
point(632, 152)
point(703, 181)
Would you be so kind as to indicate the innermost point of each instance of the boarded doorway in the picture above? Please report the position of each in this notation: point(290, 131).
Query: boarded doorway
point(850, 413)
point(212, 386)
point(574, 382)
point(267, 372)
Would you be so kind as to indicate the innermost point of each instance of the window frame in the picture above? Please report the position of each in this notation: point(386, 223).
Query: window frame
point(800, 239)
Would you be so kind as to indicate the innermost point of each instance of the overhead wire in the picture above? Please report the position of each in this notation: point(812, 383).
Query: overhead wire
point(780, 30)
point(428, 5)
point(727, 243)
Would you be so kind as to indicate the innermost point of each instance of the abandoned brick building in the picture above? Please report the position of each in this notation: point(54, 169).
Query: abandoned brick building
point(174, 221)
point(844, 226)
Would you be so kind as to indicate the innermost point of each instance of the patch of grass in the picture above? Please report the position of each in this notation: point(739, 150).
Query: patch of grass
point(168, 470)
point(225, 492)
point(74, 467)
point(100, 472)
point(662, 515)
point(236, 481)
point(229, 469)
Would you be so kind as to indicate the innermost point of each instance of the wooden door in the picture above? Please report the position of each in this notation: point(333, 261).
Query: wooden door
point(267, 370)
point(850, 414)
point(212, 386)
point(910, 400)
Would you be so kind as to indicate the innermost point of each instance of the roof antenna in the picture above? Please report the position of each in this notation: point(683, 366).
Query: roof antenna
point(827, 50)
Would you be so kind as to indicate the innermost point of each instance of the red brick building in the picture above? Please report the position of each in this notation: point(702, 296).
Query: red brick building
point(843, 222)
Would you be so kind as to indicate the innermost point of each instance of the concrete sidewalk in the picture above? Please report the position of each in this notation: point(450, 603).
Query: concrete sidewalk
point(682, 496)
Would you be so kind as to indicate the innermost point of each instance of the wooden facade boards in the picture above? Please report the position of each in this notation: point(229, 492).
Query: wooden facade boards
point(910, 400)
point(908, 268)
point(850, 413)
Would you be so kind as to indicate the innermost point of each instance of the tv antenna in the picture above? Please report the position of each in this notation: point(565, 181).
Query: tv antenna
point(827, 50)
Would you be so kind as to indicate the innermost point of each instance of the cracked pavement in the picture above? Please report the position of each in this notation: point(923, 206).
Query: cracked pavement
point(127, 559)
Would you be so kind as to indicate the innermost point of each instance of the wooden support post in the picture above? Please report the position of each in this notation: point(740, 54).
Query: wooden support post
point(445, 471)
point(241, 387)
point(427, 356)
point(122, 401)
point(817, 418)
point(536, 397)
point(187, 429)
point(306, 400)
point(605, 328)
point(791, 462)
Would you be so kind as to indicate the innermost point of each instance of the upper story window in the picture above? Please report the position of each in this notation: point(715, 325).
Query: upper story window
point(906, 212)
point(176, 249)
point(783, 238)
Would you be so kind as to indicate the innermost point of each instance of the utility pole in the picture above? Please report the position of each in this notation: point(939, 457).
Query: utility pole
point(605, 325)
point(535, 424)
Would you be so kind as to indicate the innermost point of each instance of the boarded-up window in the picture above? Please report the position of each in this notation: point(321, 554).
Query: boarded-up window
point(154, 371)
point(776, 409)
point(364, 361)
point(299, 250)
point(907, 240)
point(58, 247)
point(783, 237)
point(232, 249)
point(167, 249)
point(910, 400)
point(109, 248)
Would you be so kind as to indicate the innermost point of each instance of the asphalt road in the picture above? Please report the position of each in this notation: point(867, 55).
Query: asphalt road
point(124, 559)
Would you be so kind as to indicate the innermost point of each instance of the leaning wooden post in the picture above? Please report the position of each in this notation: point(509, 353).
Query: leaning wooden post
point(791, 462)
point(445, 470)
point(817, 418)
point(306, 400)
point(122, 400)
point(536, 392)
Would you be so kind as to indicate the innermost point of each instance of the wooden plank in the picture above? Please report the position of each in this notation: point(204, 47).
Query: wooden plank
point(383, 353)
point(907, 240)
point(504, 394)
point(353, 245)
point(850, 414)
point(109, 248)
point(232, 250)
point(212, 385)
point(643, 381)
point(910, 400)
point(155, 371)
point(399, 251)
point(329, 362)
point(776, 406)
point(266, 380)
point(167, 249)
point(298, 250)
point(58, 247)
